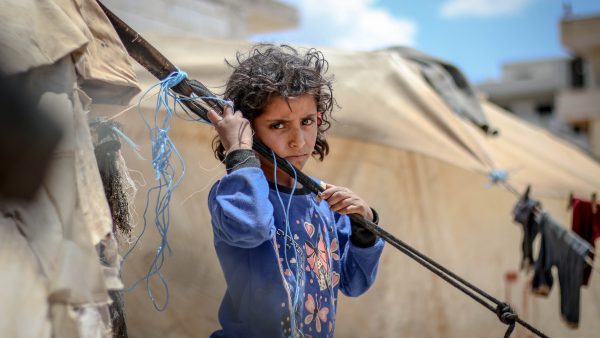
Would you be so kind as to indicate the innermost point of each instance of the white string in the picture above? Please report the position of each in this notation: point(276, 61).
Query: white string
point(209, 169)
point(117, 115)
point(141, 176)
point(212, 179)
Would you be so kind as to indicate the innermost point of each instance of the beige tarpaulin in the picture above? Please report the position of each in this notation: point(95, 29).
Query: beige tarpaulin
point(377, 112)
point(53, 285)
point(450, 83)
point(424, 169)
point(552, 166)
point(385, 100)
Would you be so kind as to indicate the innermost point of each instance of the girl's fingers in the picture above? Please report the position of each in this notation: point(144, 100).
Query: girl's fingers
point(228, 111)
point(344, 201)
point(351, 209)
point(213, 117)
point(337, 196)
point(342, 204)
point(330, 190)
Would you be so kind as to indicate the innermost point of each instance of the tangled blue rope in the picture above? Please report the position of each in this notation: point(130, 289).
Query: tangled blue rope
point(167, 175)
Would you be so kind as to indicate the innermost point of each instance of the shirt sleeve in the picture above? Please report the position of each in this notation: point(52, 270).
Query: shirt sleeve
point(359, 265)
point(542, 281)
point(241, 212)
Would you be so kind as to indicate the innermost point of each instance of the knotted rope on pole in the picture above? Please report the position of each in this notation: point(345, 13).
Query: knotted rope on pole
point(507, 316)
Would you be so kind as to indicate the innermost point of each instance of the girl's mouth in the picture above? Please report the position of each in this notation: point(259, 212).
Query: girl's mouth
point(296, 158)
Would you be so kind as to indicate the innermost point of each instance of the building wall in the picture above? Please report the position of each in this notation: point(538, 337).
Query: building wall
point(581, 35)
point(553, 70)
point(528, 89)
point(594, 132)
point(552, 93)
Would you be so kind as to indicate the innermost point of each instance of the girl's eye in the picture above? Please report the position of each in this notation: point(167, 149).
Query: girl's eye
point(277, 125)
point(308, 122)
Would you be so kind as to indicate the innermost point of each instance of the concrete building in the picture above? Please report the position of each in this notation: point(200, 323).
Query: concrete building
point(561, 94)
point(579, 104)
point(529, 88)
point(230, 19)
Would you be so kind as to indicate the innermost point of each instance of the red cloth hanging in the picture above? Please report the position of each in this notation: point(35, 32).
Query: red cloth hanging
point(586, 224)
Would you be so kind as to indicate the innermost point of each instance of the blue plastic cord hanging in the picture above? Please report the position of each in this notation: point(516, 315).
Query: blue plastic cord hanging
point(497, 176)
point(167, 175)
point(298, 276)
point(134, 147)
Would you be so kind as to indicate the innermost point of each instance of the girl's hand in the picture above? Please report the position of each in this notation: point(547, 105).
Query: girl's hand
point(344, 201)
point(234, 130)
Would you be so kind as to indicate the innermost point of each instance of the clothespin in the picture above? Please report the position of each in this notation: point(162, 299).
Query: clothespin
point(570, 201)
point(537, 209)
point(594, 204)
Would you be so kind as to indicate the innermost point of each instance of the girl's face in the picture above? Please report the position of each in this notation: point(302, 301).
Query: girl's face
point(289, 127)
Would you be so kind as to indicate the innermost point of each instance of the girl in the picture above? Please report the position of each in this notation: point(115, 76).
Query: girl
point(284, 251)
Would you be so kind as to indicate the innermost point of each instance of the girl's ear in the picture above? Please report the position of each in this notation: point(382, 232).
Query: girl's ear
point(319, 118)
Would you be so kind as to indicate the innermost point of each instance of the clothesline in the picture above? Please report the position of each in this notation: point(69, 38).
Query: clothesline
point(539, 211)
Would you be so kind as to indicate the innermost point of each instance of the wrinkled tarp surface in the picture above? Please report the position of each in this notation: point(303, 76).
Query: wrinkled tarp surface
point(397, 144)
point(65, 53)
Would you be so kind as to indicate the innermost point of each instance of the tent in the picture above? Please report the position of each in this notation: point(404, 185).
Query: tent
point(424, 168)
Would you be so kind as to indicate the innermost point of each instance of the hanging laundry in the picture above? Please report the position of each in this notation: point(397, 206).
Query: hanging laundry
point(523, 213)
point(586, 224)
point(567, 251)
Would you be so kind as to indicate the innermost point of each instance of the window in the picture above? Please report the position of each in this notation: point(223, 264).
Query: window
point(581, 127)
point(544, 109)
point(577, 73)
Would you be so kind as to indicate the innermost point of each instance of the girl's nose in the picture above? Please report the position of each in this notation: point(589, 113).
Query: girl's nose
point(296, 138)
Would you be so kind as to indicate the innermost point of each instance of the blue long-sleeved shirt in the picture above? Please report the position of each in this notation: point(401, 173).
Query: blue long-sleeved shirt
point(274, 269)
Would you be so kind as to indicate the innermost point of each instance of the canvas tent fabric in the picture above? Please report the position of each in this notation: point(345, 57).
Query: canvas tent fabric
point(554, 167)
point(450, 84)
point(398, 145)
point(36, 34)
point(60, 225)
point(408, 126)
point(53, 284)
point(444, 211)
point(385, 99)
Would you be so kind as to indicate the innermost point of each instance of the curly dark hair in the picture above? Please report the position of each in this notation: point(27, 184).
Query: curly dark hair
point(267, 71)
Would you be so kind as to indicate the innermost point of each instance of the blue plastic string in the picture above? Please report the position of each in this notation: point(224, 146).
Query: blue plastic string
point(132, 144)
point(167, 176)
point(288, 232)
point(497, 176)
point(194, 97)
